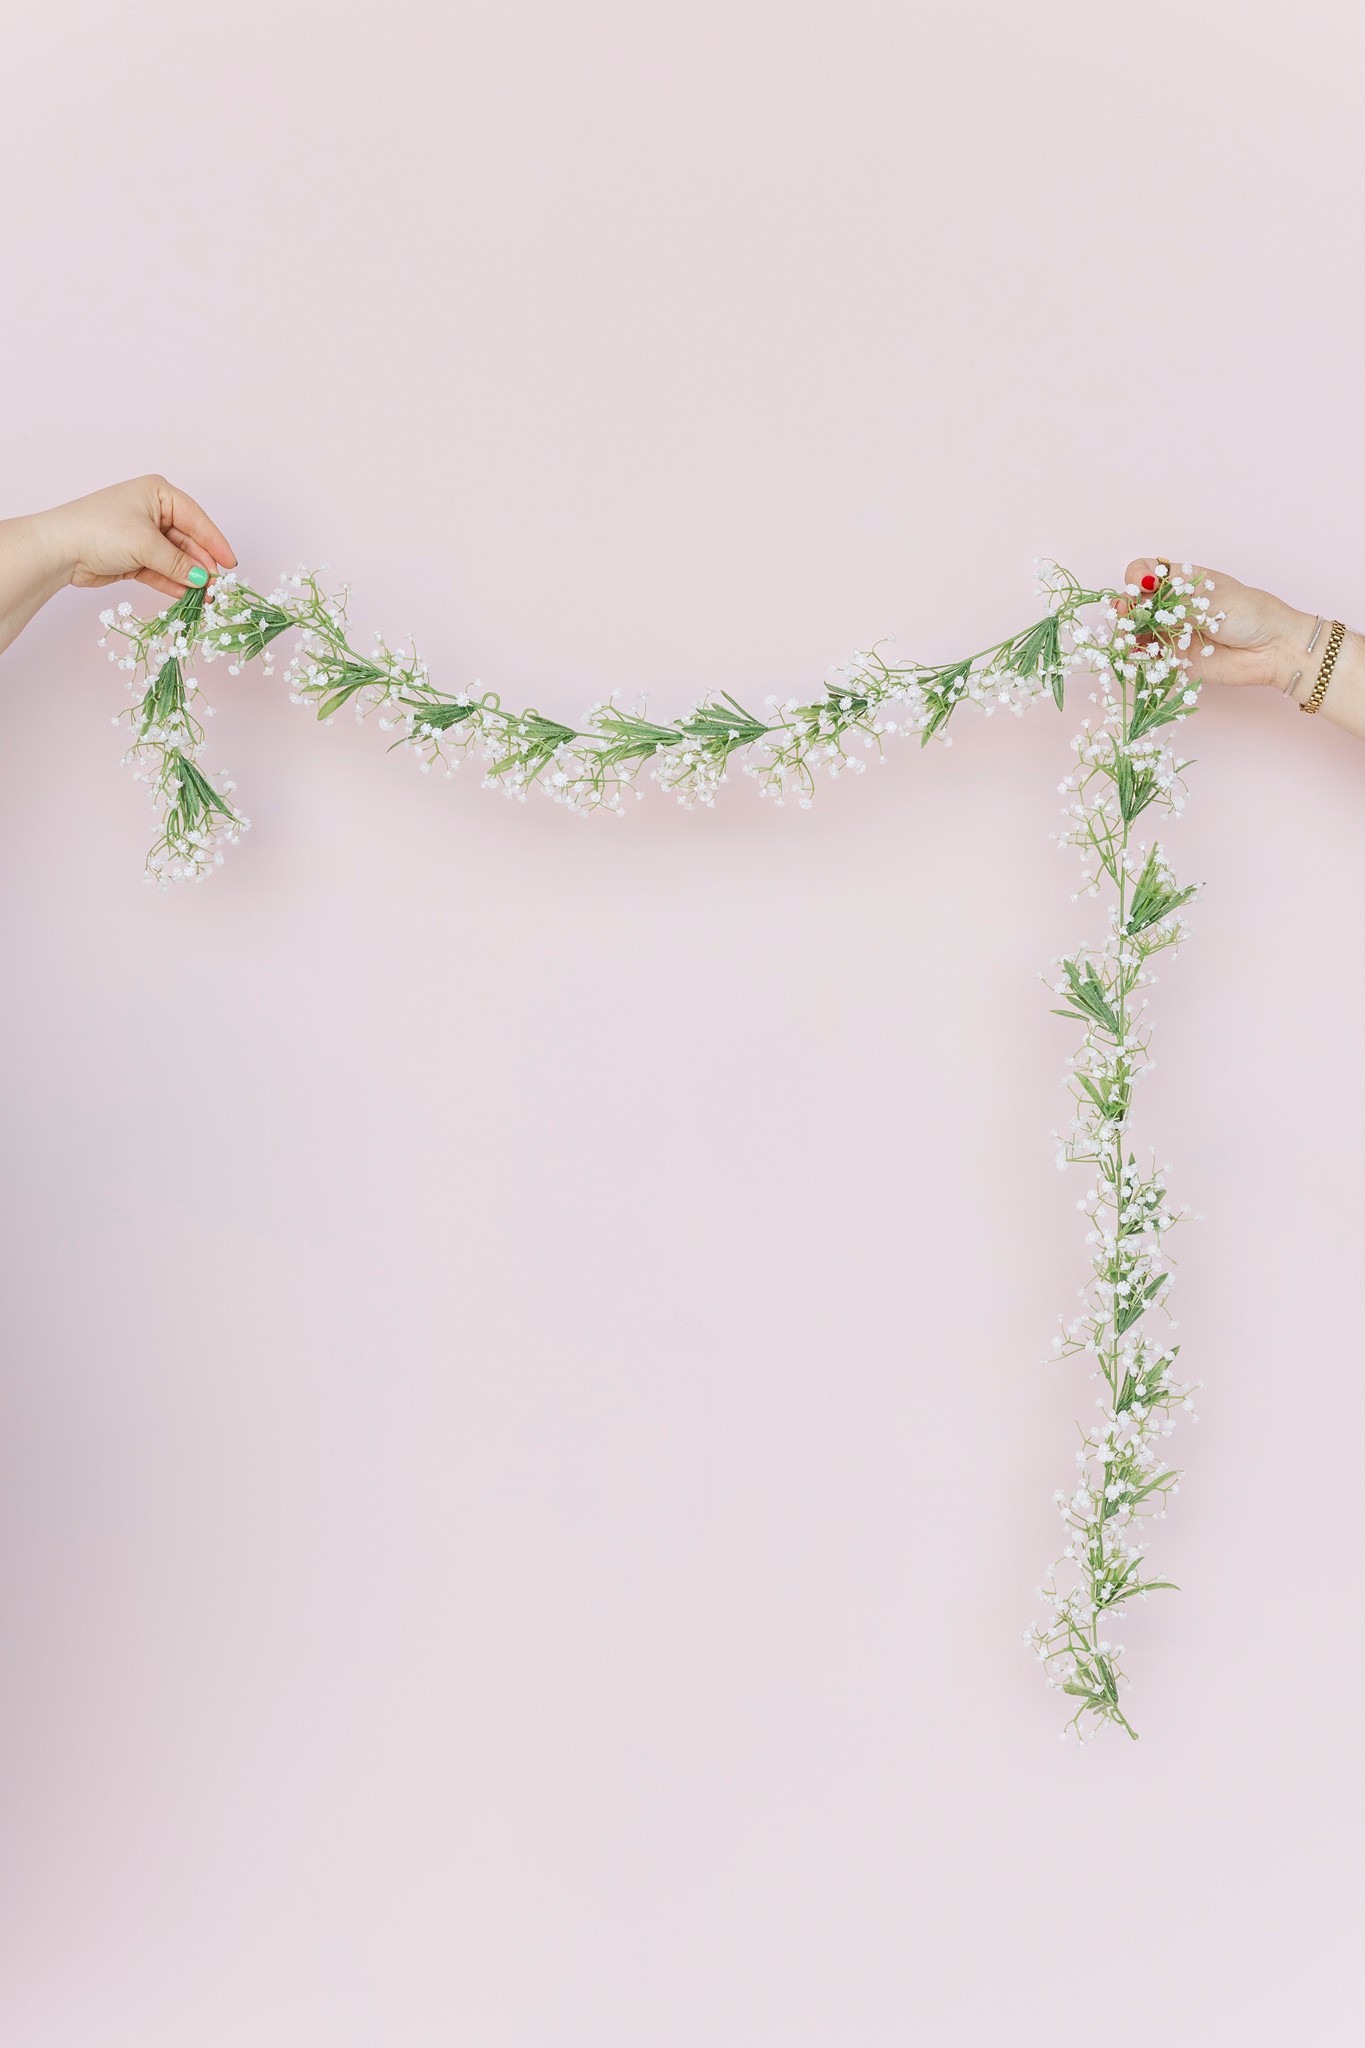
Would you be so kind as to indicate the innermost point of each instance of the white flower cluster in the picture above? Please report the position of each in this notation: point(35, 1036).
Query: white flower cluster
point(1126, 766)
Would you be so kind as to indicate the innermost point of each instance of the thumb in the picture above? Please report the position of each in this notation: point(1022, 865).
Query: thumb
point(1147, 572)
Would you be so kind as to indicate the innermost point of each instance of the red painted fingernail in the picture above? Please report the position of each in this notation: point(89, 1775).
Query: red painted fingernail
point(1149, 583)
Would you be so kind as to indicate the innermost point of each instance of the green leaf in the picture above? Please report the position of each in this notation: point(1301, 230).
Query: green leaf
point(1137, 1304)
point(1087, 992)
point(1136, 788)
point(344, 684)
point(630, 738)
point(251, 633)
point(186, 612)
point(166, 693)
point(726, 719)
point(1152, 898)
point(945, 686)
point(439, 716)
point(533, 741)
point(1039, 648)
point(1159, 710)
point(1157, 1485)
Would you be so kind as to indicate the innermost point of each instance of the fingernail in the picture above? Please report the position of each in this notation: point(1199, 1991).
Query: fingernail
point(1149, 583)
point(199, 575)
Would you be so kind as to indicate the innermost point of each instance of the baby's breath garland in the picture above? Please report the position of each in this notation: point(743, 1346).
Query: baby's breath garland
point(1138, 652)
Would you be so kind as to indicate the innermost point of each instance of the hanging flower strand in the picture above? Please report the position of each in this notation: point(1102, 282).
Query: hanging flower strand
point(1139, 653)
point(1127, 770)
point(194, 814)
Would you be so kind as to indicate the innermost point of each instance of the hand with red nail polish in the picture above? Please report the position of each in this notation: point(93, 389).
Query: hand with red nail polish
point(1256, 638)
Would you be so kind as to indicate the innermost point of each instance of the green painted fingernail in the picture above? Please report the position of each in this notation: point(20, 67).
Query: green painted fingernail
point(199, 576)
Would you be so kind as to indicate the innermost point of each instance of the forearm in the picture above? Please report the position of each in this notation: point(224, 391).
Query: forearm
point(34, 565)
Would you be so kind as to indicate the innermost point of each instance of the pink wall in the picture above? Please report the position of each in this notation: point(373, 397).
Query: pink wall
point(523, 1463)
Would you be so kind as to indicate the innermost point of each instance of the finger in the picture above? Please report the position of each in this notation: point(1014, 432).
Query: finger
point(189, 546)
point(194, 521)
point(153, 581)
point(1140, 578)
point(176, 569)
point(1147, 572)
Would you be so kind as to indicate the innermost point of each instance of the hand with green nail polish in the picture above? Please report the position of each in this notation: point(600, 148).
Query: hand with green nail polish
point(145, 531)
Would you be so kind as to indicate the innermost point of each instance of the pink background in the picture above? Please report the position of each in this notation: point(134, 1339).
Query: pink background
point(523, 1460)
